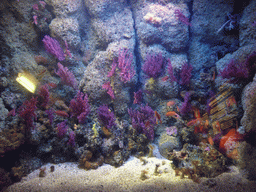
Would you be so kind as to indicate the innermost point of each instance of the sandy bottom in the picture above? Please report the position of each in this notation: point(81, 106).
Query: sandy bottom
point(68, 177)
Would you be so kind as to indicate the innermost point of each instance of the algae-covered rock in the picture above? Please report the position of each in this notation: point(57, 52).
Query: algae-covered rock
point(167, 144)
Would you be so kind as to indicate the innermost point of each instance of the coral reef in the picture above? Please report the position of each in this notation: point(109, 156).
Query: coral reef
point(132, 74)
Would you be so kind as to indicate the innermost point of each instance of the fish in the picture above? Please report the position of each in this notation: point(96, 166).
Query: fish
point(158, 117)
point(52, 85)
point(194, 122)
point(165, 78)
point(170, 103)
point(213, 76)
point(172, 114)
point(197, 113)
point(61, 113)
point(42, 72)
point(210, 140)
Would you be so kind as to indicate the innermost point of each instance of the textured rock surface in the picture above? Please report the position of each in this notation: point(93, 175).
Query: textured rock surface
point(167, 144)
point(247, 32)
point(207, 19)
point(66, 29)
point(156, 23)
point(247, 161)
point(249, 106)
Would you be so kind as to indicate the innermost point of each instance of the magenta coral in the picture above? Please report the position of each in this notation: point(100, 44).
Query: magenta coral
point(109, 89)
point(186, 106)
point(72, 139)
point(62, 129)
point(67, 77)
point(143, 120)
point(137, 97)
point(170, 71)
point(27, 112)
point(182, 17)
point(106, 117)
point(113, 69)
point(235, 71)
point(153, 65)
point(50, 113)
point(80, 107)
point(44, 95)
point(125, 65)
point(185, 74)
point(53, 47)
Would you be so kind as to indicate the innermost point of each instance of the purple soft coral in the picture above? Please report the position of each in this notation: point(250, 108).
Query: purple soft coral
point(182, 17)
point(62, 129)
point(52, 46)
point(27, 112)
point(80, 107)
point(153, 65)
point(186, 106)
point(125, 65)
point(72, 139)
point(235, 71)
point(137, 97)
point(170, 71)
point(66, 76)
point(143, 120)
point(44, 95)
point(185, 74)
point(106, 117)
point(109, 89)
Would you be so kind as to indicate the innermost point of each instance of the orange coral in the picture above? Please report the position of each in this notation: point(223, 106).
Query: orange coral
point(229, 144)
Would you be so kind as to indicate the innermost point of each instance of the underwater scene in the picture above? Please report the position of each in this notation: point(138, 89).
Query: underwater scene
point(127, 95)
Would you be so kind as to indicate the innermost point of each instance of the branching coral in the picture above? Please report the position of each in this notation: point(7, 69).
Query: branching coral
point(106, 117)
point(153, 65)
point(235, 71)
point(80, 107)
point(185, 74)
point(143, 120)
point(66, 76)
point(27, 112)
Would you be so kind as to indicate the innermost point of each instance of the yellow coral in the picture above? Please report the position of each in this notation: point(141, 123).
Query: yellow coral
point(95, 131)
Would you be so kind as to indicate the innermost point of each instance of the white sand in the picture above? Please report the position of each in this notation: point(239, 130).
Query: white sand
point(68, 177)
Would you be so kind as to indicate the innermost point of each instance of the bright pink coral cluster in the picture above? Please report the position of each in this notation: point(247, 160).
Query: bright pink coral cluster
point(109, 89)
point(53, 47)
point(67, 77)
point(124, 63)
point(182, 17)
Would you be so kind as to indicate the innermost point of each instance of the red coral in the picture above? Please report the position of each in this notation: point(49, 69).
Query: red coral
point(80, 107)
point(27, 112)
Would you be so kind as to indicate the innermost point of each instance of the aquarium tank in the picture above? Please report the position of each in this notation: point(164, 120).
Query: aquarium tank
point(127, 95)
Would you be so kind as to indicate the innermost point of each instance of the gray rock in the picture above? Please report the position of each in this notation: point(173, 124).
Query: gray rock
point(249, 106)
point(66, 29)
point(3, 110)
point(247, 30)
point(168, 143)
